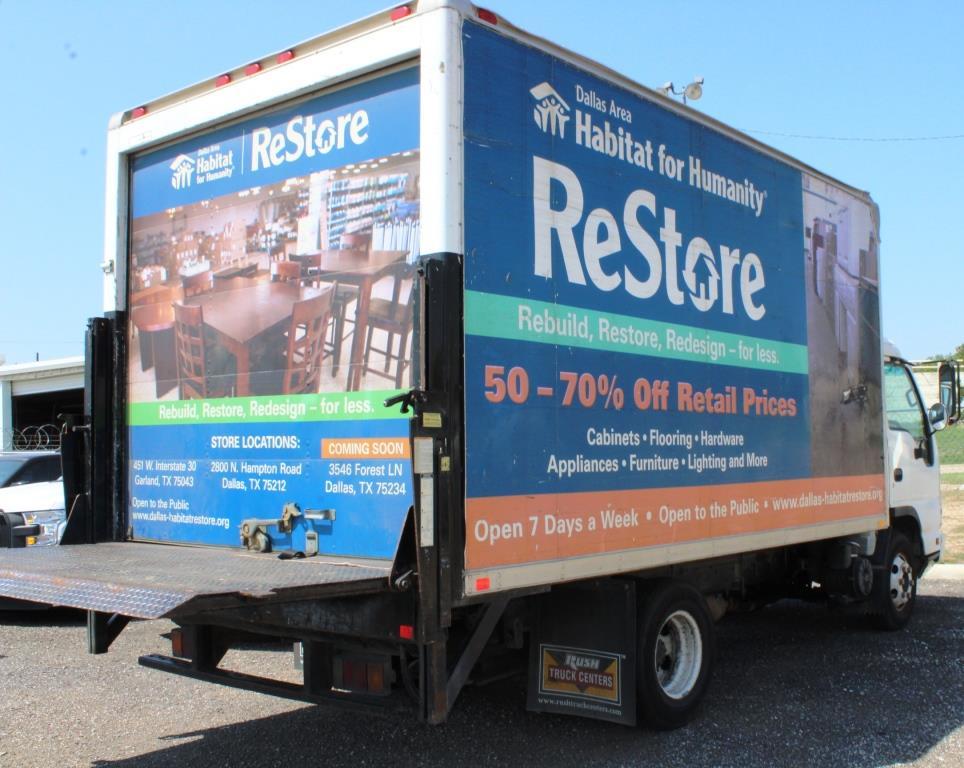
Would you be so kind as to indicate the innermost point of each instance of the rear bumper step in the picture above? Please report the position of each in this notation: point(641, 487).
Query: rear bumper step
point(272, 687)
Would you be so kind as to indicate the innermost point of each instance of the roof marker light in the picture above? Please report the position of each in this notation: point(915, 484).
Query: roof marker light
point(400, 13)
point(486, 15)
point(252, 69)
point(222, 80)
point(285, 56)
point(138, 112)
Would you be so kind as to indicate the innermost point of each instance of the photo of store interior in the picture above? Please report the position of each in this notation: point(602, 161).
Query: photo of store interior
point(299, 287)
point(843, 323)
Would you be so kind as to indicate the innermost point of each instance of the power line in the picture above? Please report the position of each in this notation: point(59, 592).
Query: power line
point(948, 137)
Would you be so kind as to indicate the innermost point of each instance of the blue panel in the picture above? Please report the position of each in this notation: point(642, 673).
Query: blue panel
point(584, 196)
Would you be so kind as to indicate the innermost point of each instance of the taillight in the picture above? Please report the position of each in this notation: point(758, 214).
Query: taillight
point(357, 674)
point(177, 643)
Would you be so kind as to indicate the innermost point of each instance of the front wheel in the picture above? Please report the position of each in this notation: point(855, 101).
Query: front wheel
point(895, 588)
point(677, 645)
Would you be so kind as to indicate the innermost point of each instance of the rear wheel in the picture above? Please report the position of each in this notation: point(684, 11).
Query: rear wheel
point(895, 588)
point(677, 645)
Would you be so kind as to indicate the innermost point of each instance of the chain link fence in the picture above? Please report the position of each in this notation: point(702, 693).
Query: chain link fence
point(950, 440)
point(950, 445)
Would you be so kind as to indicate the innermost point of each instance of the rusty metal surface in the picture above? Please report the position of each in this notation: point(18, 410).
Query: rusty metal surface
point(150, 581)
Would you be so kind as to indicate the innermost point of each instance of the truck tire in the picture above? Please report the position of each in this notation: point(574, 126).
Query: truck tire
point(895, 590)
point(677, 646)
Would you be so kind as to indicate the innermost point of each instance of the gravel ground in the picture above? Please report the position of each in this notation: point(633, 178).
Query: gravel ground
point(794, 685)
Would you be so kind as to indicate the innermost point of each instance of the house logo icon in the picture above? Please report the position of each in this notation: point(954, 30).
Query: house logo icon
point(182, 168)
point(551, 112)
point(703, 280)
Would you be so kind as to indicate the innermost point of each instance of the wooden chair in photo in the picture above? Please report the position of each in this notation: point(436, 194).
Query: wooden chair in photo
point(306, 344)
point(343, 296)
point(194, 285)
point(395, 317)
point(286, 272)
point(189, 343)
point(201, 371)
point(310, 268)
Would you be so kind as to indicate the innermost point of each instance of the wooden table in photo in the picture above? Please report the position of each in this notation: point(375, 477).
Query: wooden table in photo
point(239, 312)
point(243, 310)
point(155, 332)
point(362, 269)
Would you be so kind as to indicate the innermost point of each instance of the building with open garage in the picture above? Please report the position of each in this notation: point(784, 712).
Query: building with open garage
point(32, 397)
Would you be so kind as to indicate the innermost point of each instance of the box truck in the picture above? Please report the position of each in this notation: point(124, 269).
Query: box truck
point(442, 351)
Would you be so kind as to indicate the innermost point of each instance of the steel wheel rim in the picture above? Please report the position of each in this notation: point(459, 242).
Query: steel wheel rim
point(678, 656)
point(901, 581)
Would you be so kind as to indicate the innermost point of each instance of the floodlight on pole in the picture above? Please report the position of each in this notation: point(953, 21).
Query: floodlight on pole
point(691, 92)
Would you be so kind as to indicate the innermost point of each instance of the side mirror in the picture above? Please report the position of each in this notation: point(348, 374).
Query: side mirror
point(950, 390)
point(937, 416)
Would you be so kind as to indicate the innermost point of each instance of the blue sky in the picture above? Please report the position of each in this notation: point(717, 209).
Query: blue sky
point(864, 73)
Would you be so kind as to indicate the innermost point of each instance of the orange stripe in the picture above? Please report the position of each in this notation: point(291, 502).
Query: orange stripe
point(513, 530)
point(366, 448)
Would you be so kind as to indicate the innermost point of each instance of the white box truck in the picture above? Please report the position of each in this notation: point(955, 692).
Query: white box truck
point(431, 346)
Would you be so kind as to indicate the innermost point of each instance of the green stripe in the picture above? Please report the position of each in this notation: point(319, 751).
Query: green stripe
point(507, 317)
point(329, 406)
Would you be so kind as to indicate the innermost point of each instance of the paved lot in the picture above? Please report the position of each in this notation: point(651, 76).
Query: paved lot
point(795, 685)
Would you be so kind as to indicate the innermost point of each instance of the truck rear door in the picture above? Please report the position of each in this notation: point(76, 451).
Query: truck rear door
point(261, 239)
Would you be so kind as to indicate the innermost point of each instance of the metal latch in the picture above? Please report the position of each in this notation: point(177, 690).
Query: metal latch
point(410, 399)
point(254, 531)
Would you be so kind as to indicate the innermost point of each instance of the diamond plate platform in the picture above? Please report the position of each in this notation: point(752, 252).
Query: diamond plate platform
point(151, 581)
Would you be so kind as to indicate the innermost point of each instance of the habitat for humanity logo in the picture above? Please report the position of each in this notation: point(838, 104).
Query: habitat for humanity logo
point(551, 112)
point(209, 164)
point(182, 169)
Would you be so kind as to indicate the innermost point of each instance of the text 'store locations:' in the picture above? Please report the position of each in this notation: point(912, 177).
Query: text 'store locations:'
point(635, 325)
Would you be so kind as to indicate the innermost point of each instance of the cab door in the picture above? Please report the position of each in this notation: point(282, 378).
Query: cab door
point(915, 474)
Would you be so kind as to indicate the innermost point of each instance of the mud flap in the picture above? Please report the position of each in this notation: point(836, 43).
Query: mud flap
point(583, 652)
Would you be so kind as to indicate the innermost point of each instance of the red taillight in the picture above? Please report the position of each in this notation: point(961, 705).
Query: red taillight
point(138, 112)
point(285, 56)
point(355, 675)
point(482, 584)
point(406, 632)
point(177, 643)
point(486, 15)
point(400, 13)
point(222, 80)
point(360, 675)
point(252, 69)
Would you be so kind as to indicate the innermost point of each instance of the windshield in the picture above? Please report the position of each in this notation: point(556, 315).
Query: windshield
point(7, 468)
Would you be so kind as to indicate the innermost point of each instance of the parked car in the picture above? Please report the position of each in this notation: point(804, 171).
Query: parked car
point(31, 498)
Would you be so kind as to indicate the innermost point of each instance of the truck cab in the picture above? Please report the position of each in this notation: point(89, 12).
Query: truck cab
point(914, 540)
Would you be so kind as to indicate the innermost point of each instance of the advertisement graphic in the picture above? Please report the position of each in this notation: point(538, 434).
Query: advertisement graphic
point(269, 264)
point(574, 672)
point(653, 313)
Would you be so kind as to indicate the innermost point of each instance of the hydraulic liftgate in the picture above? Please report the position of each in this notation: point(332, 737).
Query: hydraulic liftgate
point(149, 581)
point(153, 581)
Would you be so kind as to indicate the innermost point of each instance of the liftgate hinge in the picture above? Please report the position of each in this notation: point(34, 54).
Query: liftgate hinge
point(408, 400)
